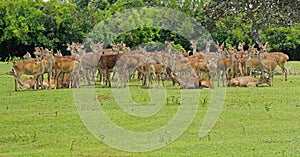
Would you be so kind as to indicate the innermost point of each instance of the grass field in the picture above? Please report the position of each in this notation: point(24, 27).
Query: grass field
point(262, 121)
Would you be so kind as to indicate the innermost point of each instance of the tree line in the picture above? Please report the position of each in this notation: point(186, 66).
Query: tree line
point(25, 24)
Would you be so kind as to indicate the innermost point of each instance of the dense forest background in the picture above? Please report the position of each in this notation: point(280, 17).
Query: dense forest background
point(25, 24)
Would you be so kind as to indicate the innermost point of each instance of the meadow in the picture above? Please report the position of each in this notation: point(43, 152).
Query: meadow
point(260, 121)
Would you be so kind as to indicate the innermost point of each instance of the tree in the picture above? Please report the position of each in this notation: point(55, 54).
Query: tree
point(252, 17)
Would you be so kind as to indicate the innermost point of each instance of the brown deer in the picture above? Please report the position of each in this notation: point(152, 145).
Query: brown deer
point(254, 61)
point(63, 65)
point(106, 64)
point(246, 81)
point(32, 67)
point(27, 56)
point(280, 58)
point(225, 66)
point(23, 82)
point(204, 83)
point(169, 46)
point(269, 65)
point(207, 45)
point(58, 53)
point(192, 82)
point(199, 66)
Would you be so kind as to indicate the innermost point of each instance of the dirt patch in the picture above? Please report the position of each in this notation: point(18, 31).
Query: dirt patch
point(104, 97)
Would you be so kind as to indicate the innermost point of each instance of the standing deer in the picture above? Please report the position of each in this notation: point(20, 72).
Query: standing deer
point(33, 67)
point(280, 58)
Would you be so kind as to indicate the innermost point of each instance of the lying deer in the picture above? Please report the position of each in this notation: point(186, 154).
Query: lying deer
point(246, 81)
point(29, 83)
point(193, 82)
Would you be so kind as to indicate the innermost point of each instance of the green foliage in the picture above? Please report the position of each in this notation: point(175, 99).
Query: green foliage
point(254, 22)
point(26, 24)
point(283, 38)
point(178, 47)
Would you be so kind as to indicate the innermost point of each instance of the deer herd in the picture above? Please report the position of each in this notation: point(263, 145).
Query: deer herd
point(197, 70)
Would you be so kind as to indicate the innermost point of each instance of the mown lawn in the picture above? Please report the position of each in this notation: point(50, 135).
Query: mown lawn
point(263, 121)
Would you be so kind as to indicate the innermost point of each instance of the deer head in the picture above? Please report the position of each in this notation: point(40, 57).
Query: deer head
point(169, 45)
point(27, 55)
point(241, 46)
point(207, 45)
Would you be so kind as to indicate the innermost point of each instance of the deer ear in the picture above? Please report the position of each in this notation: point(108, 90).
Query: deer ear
point(222, 45)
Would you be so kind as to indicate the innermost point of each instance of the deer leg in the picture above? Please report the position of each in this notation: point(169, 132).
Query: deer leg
point(219, 75)
point(56, 79)
point(16, 84)
point(48, 77)
point(284, 72)
point(158, 80)
point(36, 80)
point(223, 79)
point(144, 80)
point(102, 77)
point(108, 78)
point(87, 76)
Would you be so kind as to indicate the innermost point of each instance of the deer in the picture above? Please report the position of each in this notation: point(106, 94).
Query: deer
point(58, 53)
point(254, 61)
point(246, 61)
point(26, 83)
point(106, 64)
point(246, 81)
point(212, 68)
point(207, 55)
point(27, 56)
point(204, 83)
point(47, 56)
point(151, 69)
point(89, 62)
point(199, 66)
point(192, 82)
point(280, 58)
point(268, 65)
point(207, 45)
point(169, 46)
point(225, 66)
point(37, 53)
point(74, 48)
point(127, 64)
point(33, 67)
point(63, 65)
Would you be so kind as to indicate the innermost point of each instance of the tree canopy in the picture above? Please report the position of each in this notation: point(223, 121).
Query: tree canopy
point(25, 24)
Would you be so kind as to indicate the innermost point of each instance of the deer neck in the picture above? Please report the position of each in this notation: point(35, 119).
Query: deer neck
point(42, 67)
point(207, 48)
point(168, 49)
point(231, 58)
point(194, 51)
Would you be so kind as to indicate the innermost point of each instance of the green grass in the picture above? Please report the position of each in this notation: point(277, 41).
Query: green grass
point(262, 121)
